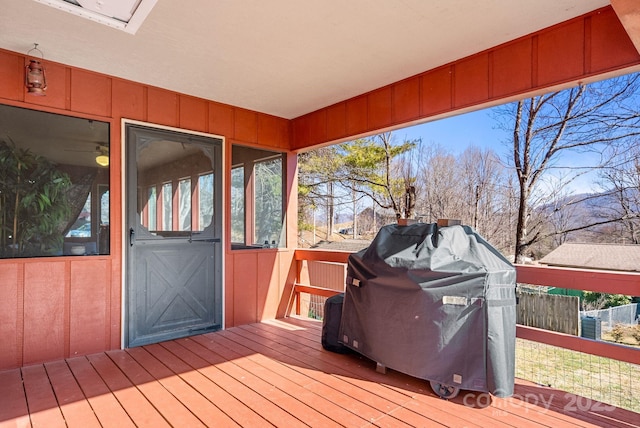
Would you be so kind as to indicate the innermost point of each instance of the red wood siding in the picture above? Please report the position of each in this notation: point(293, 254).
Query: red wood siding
point(273, 131)
point(89, 307)
point(436, 91)
point(193, 114)
point(569, 61)
point(606, 43)
point(255, 284)
point(221, 119)
point(46, 309)
point(379, 107)
point(245, 286)
point(246, 126)
point(405, 106)
point(90, 93)
point(511, 68)
point(128, 100)
point(584, 47)
point(53, 308)
point(471, 80)
point(268, 284)
point(357, 115)
point(58, 88)
point(336, 118)
point(11, 70)
point(162, 107)
point(11, 309)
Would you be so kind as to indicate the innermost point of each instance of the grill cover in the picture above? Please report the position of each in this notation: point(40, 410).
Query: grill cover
point(437, 303)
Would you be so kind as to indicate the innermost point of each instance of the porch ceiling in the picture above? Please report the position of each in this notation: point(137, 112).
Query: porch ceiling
point(281, 57)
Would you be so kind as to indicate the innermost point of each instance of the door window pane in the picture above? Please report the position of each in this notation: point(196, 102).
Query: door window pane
point(167, 207)
point(205, 201)
point(152, 205)
point(184, 208)
point(176, 181)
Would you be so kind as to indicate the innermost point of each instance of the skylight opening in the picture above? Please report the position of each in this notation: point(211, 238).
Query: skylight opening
point(125, 15)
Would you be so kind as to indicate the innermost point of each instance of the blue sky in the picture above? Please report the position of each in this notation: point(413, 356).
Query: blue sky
point(459, 132)
point(480, 129)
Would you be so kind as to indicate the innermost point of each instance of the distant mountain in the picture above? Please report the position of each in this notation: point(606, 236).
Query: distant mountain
point(585, 209)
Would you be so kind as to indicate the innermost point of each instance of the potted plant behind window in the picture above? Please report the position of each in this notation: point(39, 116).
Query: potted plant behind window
point(33, 203)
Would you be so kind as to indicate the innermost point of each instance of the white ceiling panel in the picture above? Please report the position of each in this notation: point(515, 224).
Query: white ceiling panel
point(282, 57)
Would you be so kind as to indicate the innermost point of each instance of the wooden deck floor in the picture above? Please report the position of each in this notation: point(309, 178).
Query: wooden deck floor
point(268, 374)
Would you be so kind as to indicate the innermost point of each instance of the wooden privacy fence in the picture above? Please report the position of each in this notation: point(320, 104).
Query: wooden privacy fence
point(550, 312)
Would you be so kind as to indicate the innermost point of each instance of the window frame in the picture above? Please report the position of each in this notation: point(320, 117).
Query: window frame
point(248, 165)
point(71, 145)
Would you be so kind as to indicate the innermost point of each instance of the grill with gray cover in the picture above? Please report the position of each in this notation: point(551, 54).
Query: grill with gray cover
point(437, 303)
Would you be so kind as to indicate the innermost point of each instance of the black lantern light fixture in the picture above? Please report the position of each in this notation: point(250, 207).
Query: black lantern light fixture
point(34, 75)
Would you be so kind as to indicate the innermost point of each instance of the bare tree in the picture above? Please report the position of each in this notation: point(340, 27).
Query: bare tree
point(581, 119)
point(481, 174)
point(561, 213)
point(440, 190)
point(621, 181)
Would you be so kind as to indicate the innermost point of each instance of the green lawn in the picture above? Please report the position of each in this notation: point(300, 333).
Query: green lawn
point(597, 378)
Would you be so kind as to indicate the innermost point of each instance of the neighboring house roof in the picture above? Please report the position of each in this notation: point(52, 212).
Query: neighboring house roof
point(595, 256)
point(353, 245)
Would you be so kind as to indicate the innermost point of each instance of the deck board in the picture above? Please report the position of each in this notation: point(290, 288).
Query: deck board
point(284, 379)
point(276, 401)
point(75, 408)
point(173, 411)
point(273, 373)
point(43, 407)
point(196, 392)
point(14, 411)
point(104, 404)
point(374, 383)
point(325, 373)
point(133, 401)
point(211, 368)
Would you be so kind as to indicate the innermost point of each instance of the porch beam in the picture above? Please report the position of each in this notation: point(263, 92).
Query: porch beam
point(628, 12)
point(583, 49)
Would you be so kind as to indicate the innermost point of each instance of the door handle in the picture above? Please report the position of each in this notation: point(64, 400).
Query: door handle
point(132, 236)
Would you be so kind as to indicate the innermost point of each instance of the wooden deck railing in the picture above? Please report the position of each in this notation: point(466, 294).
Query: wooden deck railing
point(302, 255)
point(576, 279)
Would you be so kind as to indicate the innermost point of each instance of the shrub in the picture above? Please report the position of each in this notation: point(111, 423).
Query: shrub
point(617, 332)
point(635, 332)
point(592, 300)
